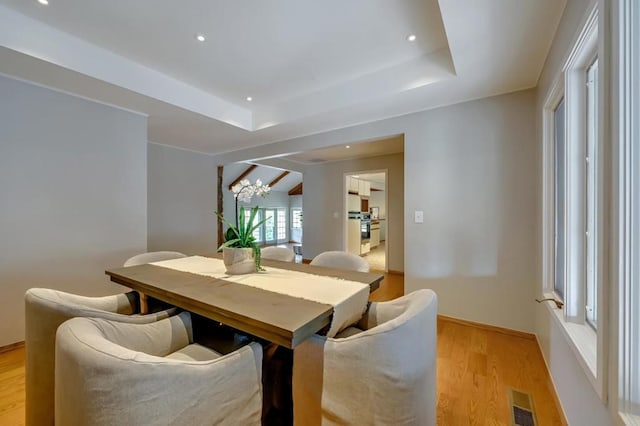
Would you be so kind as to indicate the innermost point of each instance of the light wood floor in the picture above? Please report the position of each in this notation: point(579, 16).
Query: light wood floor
point(12, 387)
point(476, 366)
point(376, 258)
point(391, 287)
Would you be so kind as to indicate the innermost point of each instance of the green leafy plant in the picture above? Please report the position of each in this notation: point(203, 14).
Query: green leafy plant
point(242, 235)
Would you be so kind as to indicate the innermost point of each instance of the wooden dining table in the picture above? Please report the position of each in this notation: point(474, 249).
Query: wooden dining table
point(278, 318)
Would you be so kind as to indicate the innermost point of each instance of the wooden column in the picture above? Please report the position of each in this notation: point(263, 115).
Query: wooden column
point(220, 205)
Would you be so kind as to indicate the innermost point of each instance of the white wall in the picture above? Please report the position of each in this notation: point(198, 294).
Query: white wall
point(377, 199)
point(182, 200)
point(73, 195)
point(580, 402)
point(324, 209)
point(473, 169)
point(579, 399)
point(295, 201)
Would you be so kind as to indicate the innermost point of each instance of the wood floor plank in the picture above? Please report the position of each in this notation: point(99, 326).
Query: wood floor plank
point(507, 361)
point(391, 287)
point(12, 387)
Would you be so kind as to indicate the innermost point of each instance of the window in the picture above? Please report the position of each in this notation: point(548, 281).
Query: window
point(274, 229)
point(282, 224)
point(627, 144)
point(257, 233)
point(577, 195)
point(270, 225)
point(573, 203)
point(296, 218)
point(559, 130)
point(592, 203)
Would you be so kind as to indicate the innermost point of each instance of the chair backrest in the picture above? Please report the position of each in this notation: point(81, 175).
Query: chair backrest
point(110, 373)
point(45, 311)
point(153, 256)
point(341, 260)
point(395, 359)
point(278, 253)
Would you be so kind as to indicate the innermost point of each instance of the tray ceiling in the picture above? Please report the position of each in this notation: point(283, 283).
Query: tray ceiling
point(308, 66)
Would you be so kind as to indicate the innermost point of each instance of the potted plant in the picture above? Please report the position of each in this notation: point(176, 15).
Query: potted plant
point(240, 251)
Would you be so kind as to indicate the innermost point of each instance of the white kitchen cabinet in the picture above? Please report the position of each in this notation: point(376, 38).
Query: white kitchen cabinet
point(354, 185)
point(375, 235)
point(353, 236)
point(353, 203)
point(364, 188)
point(365, 248)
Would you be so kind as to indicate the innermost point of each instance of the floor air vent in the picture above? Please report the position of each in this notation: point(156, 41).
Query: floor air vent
point(522, 410)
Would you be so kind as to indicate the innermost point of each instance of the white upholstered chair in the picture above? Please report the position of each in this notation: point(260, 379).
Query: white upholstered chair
point(341, 260)
point(278, 253)
point(153, 256)
point(383, 373)
point(45, 311)
point(113, 373)
point(144, 258)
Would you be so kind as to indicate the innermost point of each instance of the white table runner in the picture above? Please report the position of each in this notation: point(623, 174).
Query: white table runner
point(348, 298)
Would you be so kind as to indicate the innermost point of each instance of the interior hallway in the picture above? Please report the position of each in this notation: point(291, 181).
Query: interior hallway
point(376, 257)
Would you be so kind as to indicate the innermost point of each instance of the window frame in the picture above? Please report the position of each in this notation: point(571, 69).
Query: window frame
point(593, 196)
point(281, 224)
point(556, 184)
point(259, 215)
point(293, 211)
point(270, 213)
point(261, 231)
point(626, 136)
point(587, 344)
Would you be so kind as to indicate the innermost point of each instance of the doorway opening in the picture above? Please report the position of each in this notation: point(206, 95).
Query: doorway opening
point(366, 216)
point(280, 211)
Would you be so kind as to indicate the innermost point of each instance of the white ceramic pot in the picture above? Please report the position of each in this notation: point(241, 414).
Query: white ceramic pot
point(238, 260)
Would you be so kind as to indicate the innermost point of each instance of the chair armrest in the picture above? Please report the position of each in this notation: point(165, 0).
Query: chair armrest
point(381, 312)
point(158, 338)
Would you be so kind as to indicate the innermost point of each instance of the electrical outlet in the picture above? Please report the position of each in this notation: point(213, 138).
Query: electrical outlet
point(418, 216)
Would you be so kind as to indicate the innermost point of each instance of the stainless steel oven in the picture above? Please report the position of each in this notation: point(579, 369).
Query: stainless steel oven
point(365, 227)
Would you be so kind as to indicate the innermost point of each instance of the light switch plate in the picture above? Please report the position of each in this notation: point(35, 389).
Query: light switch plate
point(418, 216)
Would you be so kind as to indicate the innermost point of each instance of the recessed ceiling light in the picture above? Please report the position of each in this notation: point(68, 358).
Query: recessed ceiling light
point(200, 37)
point(45, 2)
point(348, 146)
point(411, 37)
point(249, 98)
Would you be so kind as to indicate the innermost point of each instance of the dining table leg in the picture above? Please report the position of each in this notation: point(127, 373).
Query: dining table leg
point(277, 408)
